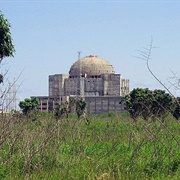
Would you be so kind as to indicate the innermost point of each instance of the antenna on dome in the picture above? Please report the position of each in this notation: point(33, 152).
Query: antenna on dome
point(79, 57)
point(79, 87)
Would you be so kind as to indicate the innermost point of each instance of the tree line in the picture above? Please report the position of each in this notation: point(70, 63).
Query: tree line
point(152, 104)
point(63, 110)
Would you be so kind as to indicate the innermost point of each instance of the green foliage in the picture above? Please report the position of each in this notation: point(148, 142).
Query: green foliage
point(111, 147)
point(62, 111)
point(162, 103)
point(6, 46)
point(28, 105)
point(80, 107)
point(139, 103)
point(74, 105)
point(3, 172)
point(111, 114)
point(148, 104)
point(176, 111)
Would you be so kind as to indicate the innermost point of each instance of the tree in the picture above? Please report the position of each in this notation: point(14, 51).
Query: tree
point(77, 105)
point(62, 110)
point(6, 50)
point(139, 102)
point(28, 105)
point(176, 111)
point(149, 104)
point(145, 55)
point(6, 46)
point(80, 107)
point(162, 103)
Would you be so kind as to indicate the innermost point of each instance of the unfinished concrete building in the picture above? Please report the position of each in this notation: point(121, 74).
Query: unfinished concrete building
point(92, 78)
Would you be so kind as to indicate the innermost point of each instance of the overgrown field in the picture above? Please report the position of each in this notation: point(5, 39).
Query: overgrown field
point(109, 147)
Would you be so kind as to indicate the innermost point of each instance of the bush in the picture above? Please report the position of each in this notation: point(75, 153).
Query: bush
point(148, 104)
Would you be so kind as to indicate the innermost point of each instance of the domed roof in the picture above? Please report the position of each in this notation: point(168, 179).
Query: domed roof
point(91, 66)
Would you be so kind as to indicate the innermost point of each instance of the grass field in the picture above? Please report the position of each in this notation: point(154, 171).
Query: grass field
point(111, 146)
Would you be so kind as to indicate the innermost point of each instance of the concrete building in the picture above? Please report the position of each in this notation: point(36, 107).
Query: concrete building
point(92, 78)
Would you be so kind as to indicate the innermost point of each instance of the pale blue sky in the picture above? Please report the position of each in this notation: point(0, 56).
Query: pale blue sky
point(48, 34)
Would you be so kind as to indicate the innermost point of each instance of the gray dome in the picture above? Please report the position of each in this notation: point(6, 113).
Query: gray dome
point(91, 66)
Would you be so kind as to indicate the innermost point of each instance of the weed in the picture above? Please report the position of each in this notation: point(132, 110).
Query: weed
point(112, 146)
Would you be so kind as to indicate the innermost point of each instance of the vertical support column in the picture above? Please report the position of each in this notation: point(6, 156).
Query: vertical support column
point(41, 105)
point(53, 105)
point(47, 105)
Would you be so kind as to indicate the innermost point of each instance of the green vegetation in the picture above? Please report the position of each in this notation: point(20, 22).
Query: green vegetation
point(65, 109)
point(28, 105)
point(150, 104)
point(176, 112)
point(80, 107)
point(6, 46)
point(111, 146)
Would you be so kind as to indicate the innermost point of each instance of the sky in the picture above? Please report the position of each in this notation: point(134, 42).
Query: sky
point(47, 35)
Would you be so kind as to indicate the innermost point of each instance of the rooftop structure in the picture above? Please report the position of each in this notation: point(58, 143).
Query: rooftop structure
point(91, 66)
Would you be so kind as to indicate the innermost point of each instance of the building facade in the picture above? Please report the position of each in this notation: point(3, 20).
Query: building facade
point(91, 78)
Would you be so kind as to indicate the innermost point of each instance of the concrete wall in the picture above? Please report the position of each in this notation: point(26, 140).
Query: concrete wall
point(93, 87)
point(124, 87)
point(95, 104)
point(71, 86)
point(112, 84)
point(90, 86)
point(104, 104)
point(56, 84)
point(50, 103)
point(102, 93)
point(104, 85)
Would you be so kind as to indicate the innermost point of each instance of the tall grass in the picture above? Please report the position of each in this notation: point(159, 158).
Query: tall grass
point(112, 146)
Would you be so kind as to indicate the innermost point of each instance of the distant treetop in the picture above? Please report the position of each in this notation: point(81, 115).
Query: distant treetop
point(6, 46)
